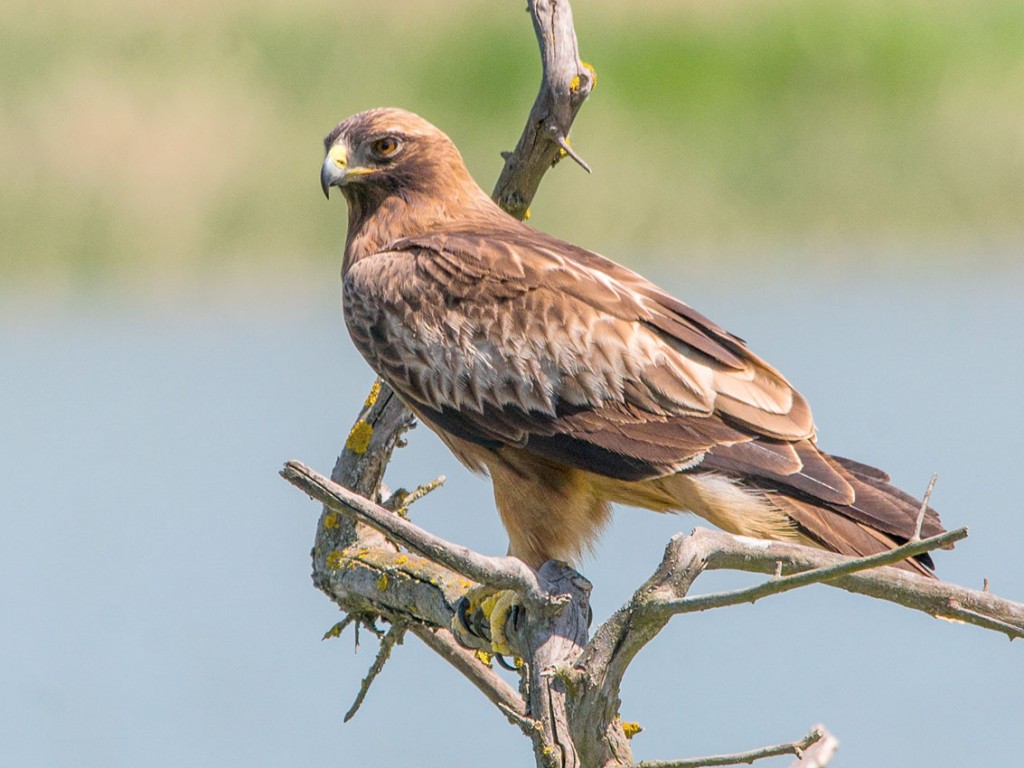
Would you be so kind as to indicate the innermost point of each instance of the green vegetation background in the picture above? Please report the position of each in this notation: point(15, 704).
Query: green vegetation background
point(164, 142)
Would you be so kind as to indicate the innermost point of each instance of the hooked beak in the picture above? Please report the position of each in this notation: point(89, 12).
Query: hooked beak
point(334, 170)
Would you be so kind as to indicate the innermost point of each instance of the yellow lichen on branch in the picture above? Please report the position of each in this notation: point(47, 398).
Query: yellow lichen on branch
point(576, 82)
point(359, 438)
point(631, 729)
point(335, 559)
point(593, 73)
point(371, 398)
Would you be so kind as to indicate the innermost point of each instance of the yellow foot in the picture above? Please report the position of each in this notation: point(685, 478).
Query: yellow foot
point(482, 618)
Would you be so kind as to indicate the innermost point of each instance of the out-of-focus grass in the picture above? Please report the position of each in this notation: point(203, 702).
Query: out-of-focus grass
point(146, 142)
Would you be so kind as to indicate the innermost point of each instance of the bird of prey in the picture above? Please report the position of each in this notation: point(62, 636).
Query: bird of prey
point(571, 380)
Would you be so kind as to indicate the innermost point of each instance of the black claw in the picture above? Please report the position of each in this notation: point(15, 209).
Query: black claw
point(501, 662)
point(461, 610)
point(512, 622)
point(481, 626)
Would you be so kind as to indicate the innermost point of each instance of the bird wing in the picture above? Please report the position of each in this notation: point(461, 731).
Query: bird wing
point(523, 340)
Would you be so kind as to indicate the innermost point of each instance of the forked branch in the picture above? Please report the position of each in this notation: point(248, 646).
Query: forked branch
point(592, 671)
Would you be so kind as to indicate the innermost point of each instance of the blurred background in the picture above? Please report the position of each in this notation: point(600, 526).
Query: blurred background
point(839, 182)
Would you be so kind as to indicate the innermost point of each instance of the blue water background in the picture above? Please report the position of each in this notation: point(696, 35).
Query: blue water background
point(155, 598)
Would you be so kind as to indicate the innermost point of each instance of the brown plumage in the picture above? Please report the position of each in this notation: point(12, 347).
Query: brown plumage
point(571, 380)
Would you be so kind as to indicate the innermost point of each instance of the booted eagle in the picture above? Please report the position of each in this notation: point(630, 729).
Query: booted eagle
point(571, 380)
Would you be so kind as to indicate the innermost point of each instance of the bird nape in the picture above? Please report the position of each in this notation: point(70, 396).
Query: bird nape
point(570, 379)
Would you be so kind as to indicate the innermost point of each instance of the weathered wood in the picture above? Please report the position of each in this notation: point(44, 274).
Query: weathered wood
point(571, 684)
point(565, 85)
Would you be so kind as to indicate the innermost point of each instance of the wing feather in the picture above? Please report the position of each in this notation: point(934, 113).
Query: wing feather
point(508, 340)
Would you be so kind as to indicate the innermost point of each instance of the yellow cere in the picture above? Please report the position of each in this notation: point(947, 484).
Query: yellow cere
point(337, 154)
point(331, 520)
point(359, 438)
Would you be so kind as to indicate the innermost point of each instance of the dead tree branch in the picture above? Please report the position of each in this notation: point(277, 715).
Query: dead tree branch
point(574, 681)
point(819, 754)
point(779, 583)
point(565, 85)
point(501, 572)
point(390, 640)
point(793, 748)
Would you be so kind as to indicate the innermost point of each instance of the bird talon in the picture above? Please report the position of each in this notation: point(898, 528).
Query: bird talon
point(504, 664)
point(483, 619)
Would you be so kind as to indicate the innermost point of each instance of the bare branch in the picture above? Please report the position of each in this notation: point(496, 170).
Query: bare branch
point(390, 640)
point(501, 572)
point(565, 85)
point(779, 584)
point(401, 500)
point(338, 628)
point(792, 748)
point(820, 754)
point(374, 436)
point(924, 507)
point(360, 466)
point(937, 598)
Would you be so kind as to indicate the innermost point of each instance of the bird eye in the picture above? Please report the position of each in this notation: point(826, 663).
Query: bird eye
point(385, 147)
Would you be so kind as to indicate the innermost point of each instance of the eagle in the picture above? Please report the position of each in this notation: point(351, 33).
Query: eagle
point(569, 379)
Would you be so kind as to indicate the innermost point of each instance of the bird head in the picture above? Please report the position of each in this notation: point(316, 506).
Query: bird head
point(388, 150)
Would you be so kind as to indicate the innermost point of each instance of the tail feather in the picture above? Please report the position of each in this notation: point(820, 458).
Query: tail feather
point(839, 533)
point(877, 518)
point(872, 490)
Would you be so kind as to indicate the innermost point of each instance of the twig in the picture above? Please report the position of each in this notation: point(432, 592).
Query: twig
point(959, 613)
point(566, 147)
point(500, 572)
point(717, 551)
point(390, 640)
point(792, 748)
point(526, 724)
point(778, 585)
point(819, 754)
point(401, 500)
point(338, 628)
point(924, 506)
